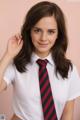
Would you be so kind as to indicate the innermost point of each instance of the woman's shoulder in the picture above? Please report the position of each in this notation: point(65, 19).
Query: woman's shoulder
point(10, 70)
point(11, 67)
point(73, 72)
point(9, 74)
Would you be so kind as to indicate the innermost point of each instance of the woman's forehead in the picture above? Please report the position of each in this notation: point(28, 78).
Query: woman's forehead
point(47, 22)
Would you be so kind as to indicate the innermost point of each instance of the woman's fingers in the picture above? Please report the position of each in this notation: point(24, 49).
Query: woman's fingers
point(15, 45)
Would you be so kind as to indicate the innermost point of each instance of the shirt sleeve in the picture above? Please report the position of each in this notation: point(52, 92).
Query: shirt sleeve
point(9, 74)
point(74, 86)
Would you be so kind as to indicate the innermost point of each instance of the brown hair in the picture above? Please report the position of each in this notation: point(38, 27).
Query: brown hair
point(38, 11)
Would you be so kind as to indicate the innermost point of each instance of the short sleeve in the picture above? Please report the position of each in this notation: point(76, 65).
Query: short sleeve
point(74, 85)
point(9, 74)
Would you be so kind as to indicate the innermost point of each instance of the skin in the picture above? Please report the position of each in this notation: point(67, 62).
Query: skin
point(14, 46)
point(44, 35)
point(68, 111)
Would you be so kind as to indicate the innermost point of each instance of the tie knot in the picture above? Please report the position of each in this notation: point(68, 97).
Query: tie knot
point(42, 63)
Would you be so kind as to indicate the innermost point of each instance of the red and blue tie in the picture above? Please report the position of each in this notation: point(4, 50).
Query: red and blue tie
point(47, 101)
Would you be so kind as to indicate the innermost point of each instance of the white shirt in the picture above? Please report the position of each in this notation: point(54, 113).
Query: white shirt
point(26, 92)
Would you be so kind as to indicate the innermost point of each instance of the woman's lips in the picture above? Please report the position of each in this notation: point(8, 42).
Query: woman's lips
point(43, 45)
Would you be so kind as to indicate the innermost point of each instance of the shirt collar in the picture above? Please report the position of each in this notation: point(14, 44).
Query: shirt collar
point(35, 57)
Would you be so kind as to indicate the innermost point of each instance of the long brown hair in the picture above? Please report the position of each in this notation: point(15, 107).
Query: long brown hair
point(38, 11)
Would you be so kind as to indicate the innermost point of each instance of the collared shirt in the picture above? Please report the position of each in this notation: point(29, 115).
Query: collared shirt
point(26, 91)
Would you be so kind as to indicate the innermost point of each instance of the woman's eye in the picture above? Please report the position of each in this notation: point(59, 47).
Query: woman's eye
point(51, 32)
point(37, 30)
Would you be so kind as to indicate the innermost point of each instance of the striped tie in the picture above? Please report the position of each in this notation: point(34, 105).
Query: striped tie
point(48, 106)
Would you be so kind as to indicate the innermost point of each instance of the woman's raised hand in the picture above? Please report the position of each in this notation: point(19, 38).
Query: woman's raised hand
point(14, 46)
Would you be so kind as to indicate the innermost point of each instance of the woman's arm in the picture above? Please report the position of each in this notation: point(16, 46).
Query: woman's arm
point(14, 46)
point(68, 111)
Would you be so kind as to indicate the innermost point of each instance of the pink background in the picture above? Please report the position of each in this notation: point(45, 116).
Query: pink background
point(12, 13)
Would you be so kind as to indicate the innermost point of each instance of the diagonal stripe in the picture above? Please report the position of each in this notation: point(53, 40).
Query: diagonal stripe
point(45, 91)
point(42, 83)
point(48, 109)
point(48, 105)
point(53, 117)
point(43, 77)
point(42, 73)
point(41, 70)
point(49, 113)
point(44, 87)
point(46, 95)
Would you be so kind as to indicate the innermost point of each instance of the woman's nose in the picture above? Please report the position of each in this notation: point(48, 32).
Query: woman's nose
point(44, 37)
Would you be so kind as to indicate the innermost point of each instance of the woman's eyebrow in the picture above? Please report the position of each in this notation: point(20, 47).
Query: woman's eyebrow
point(41, 28)
point(36, 27)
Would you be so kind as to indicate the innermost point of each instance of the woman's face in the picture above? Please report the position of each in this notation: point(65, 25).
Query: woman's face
point(44, 35)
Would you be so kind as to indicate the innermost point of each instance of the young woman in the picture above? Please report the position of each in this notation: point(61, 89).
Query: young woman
point(43, 36)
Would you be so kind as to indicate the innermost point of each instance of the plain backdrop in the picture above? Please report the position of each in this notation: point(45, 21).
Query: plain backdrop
point(12, 13)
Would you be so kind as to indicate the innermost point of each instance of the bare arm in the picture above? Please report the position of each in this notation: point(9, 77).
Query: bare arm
point(14, 46)
point(68, 111)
